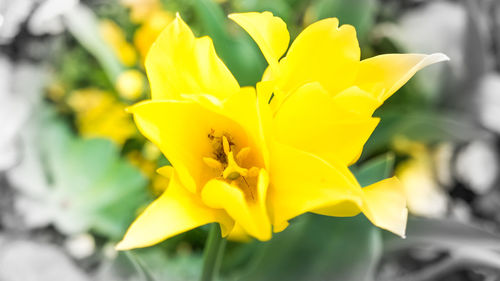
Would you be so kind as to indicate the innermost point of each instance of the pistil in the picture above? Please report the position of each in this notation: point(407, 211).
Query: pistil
point(230, 168)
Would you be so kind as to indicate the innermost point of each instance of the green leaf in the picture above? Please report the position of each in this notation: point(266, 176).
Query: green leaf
point(359, 13)
point(319, 248)
point(423, 126)
point(141, 269)
point(83, 25)
point(91, 186)
point(374, 170)
point(279, 8)
point(155, 263)
point(237, 50)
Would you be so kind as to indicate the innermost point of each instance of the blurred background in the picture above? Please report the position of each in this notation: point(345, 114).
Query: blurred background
point(74, 171)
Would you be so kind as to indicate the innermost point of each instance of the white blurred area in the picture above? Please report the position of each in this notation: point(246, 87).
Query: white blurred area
point(21, 92)
point(41, 16)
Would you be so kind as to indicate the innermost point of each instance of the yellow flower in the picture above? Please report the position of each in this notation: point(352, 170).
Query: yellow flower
point(113, 35)
point(99, 114)
point(140, 10)
point(424, 195)
point(158, 184)
point(130, 84)
point(233, 163)
point(146, 160)
point(147, 167)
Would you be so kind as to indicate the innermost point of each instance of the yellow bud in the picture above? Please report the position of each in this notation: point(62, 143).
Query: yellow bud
point(130, 84)
point(115, 37)
point(151, 151)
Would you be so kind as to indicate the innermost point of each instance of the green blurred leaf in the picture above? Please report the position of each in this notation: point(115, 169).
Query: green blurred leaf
point(359, 13)
point(83, 25)
point(424, 126)
point(279, 8)
point(90, 186)
point(238, 51)
point(319, 248)
point(375, 169)
point(180, 267)
point(141, 269)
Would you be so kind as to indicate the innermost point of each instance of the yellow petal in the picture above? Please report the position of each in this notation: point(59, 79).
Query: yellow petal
point(245, 110)
point(280, 227)
point(181, 130)
point(250, 214)
point(312, 121)
point(302, 182)
point(178, 63)
point(238, 234)
point(342, 209)
point(323, 52)
point(385, 205)
point(166, 171)
point(268, 31)
point(383, 75)
point(357, 102)
point(177, 210)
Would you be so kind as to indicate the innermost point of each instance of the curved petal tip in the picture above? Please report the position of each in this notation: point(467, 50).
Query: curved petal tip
point(437, 57)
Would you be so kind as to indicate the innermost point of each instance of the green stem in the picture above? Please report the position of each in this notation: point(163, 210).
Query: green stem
point(212, 255)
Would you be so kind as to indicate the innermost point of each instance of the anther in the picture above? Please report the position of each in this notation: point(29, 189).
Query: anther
point(253, 172)
point(225, 145)
point(212, 163)
point(242, 154)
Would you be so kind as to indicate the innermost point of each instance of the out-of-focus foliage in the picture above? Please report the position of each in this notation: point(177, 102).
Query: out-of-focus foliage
point(77, 185)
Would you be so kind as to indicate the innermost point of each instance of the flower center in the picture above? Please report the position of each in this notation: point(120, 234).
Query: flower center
point(226, 162)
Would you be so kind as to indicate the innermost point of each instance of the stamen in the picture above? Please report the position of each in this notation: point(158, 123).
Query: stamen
point(243, 154)
point(253, 172)
point(228, 163)
point(212, 163)
point(225, 145)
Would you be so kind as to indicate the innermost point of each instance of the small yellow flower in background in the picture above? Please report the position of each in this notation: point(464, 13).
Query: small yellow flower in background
point(151, 151)
point(130, 84)
point(425, 197)
point(158, 184)
point(99, 114)
point(56, 91)
point(249, 162)
point(151, 27)
point(146, 159)
point(113, 35)
point(147, 167)
point(141, 10)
